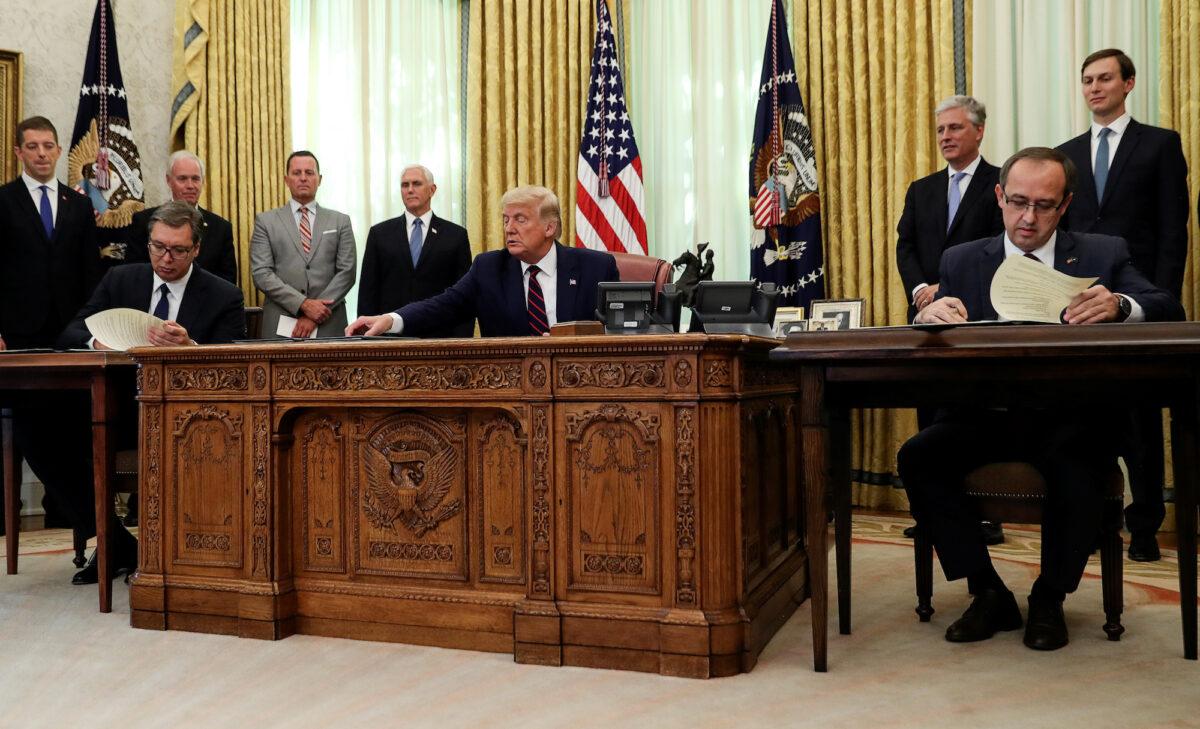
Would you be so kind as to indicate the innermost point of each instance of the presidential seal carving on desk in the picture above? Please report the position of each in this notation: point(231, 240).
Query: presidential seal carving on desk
point(407, 482)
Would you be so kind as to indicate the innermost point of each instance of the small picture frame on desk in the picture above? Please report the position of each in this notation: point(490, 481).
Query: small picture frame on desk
point(822, 325)
point(843, 313)
point(786, 317)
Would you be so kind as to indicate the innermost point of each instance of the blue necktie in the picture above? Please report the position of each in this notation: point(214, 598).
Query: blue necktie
point(1102, 163)
point(955, 198)
point(415, 241)
point(46, 212)
point(163, 308)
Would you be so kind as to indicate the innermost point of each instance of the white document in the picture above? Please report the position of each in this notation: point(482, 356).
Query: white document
point(1028, 290)
point(122, 328)
point(287, 324)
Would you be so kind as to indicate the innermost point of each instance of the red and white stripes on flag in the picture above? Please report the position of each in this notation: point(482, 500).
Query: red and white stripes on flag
point(766, 206)
point(609, 207)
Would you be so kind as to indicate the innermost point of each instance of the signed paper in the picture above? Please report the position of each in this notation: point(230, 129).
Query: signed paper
point(1028, 290)
point(287, 325)
point(121, 328)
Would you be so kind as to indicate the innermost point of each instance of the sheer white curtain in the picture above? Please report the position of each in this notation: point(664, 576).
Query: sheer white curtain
point(692, 69)
point(1026, 56)
point(376, 85)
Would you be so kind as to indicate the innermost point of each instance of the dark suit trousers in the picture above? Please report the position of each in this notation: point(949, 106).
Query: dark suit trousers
point(1073, 453)
point(1143, 454)
point(54, 432)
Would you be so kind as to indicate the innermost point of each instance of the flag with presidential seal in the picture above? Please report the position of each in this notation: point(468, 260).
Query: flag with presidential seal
point(784, 205)
point(104, 163)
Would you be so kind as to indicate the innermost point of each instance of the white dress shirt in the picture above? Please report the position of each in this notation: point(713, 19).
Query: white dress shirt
point(547, 277)
point(312, 215)
point(1045, 254)
point(1118, 127)
point(175, 291)
point(409, 219)
point(36, 194)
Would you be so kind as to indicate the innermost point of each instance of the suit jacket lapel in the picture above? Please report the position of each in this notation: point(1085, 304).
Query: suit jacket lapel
point(1133, 134)
point(943, 206)
point(567, 288)
point(974, 190)
point(320, 220)
point(192, 304)
point(288, 221)
point(993, 256)
point(26, 202)
point(514, 294)
point(1066, 258)
point(430, 237)
point(1080, 153)
point(144, 282)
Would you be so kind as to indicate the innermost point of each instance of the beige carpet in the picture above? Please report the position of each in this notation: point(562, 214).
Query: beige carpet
point(64, 664)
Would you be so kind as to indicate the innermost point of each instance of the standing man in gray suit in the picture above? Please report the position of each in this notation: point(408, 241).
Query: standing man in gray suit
point(303, 258)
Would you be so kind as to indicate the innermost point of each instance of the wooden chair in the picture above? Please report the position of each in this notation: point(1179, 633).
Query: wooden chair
point(634, 267)
point(1015, 493)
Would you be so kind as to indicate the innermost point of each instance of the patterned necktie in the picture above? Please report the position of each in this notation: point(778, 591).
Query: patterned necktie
point(163, 308)
point(305, 231)
point(535, 304)
point(955, 198)
point(46, 212)
point(1101, 173)
point(415, 241)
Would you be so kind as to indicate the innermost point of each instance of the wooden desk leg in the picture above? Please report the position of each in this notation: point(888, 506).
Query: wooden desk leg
point(1185, 459)
point(103, 457)
point(815, 457)
point(839, 425)
point(12, 491)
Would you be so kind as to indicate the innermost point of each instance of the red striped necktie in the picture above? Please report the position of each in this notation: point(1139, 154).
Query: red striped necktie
point(535, 304)
point(305, 230)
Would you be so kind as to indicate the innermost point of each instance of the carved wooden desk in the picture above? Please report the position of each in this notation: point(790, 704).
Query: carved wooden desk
point(623, 502)
point(106, 377)
point(1042, 366)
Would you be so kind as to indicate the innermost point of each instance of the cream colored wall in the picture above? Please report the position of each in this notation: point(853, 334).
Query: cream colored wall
point(52, 35)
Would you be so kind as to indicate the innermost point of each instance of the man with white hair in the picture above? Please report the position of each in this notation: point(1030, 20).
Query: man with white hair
point(185, 179)
point(414, 256)
point(523, 290)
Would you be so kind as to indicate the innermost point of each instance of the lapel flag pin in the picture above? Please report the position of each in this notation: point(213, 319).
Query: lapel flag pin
point(572, 282)
point(1071, 260)
point(433, 231)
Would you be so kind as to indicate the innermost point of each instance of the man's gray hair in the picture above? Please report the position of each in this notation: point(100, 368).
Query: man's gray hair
point(424, 171)
point(183, 154)
point(975, 109)
point(176, 214)
point(542, 198)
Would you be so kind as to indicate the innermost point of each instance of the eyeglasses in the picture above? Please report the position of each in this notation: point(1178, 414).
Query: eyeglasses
point(1020, 205)
point(159, 250)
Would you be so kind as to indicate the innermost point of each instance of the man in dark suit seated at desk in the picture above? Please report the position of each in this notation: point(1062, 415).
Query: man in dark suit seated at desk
point(1073, 450)
point(523, 290)
point(196, 306)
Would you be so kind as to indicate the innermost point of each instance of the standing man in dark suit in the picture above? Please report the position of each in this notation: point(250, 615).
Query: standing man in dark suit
point(196, 308)
point(1073, 450)
point(523, 290)
point(951, 206)
point(185, 179)
point(414, 256)
point(1133, 184)
point(49, 264)
point(49, 261)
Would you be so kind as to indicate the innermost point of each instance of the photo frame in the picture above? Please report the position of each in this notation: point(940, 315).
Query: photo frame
point(786, 316)
point(10, 111)
point(845, 313)
point(822, 325)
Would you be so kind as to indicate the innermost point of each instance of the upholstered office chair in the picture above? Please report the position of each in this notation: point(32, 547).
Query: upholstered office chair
point(1015, 493)
point(635, 267)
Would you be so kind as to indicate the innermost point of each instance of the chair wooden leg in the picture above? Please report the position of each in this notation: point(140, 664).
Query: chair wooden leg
point(1111, 575)
point(80, 544)
point(923, 554)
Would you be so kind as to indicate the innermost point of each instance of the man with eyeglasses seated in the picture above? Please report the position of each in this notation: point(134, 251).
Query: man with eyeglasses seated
point(1072, 449)
point(196, 307)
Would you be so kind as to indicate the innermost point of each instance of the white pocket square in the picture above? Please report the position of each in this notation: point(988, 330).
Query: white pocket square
point(327, 232)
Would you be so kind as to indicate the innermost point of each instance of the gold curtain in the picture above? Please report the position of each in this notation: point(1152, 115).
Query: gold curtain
point(871, 72)
point(528, 66)
point(1179, 109)
point(231, 84)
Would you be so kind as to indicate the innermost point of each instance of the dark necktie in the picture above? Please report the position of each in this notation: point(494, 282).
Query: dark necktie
point(415, 241)
point(163, 308)
point(1033, 257)
point(535, 304)
point(1101, 173)
point(46, 212)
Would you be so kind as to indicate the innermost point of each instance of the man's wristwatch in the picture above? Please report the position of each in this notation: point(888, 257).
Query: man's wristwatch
point(1124, 307)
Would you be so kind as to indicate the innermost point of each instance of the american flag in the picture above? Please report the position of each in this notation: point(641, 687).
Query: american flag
point(609, 212)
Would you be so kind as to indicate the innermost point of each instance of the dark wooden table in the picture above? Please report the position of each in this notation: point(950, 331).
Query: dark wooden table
point(106, 377)
point(1004, 365)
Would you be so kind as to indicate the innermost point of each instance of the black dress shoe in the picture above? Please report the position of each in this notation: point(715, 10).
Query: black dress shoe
point(993, 532)
point(910, 532)
point(1046, 629)
point(1144, 548)
point(124, 563)
point(89, 575)
point(990, 611)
